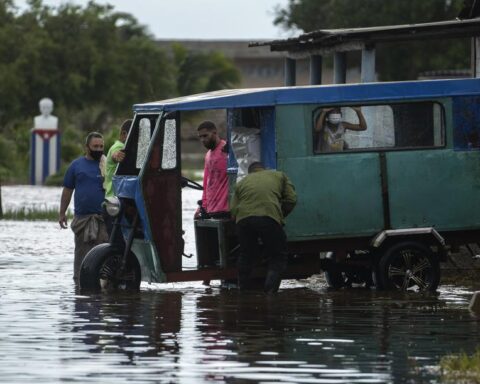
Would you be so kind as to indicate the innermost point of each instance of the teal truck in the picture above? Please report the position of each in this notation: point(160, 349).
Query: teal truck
point(383, 209)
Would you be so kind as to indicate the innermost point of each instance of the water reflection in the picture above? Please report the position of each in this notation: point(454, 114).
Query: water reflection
point(299, 335)
point(187, 333)
point(134, 324)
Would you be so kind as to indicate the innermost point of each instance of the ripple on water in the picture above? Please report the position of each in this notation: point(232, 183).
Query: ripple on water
point(187, 333)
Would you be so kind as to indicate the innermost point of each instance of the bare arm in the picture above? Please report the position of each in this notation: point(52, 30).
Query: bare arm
point(118, 156)
point(321, 120)
point(64, 202)
point(361, 126)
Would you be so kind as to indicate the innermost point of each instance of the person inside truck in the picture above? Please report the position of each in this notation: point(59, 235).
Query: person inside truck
point(330, 129)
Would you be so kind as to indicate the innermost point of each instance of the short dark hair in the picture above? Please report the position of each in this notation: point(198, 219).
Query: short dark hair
point(126, 126)
point(208, 125)
point(335, 110)
point(92, 135)
point(255, 165)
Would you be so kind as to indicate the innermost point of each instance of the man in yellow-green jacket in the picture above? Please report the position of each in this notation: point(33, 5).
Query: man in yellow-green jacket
point(260, 203)
point(115, 155)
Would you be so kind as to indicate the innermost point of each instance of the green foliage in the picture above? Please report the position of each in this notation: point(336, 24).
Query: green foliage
point(193, 174)
point(14, 145)
point(461, 368)
point(202, 72)
point(6, 154)
point(310, 15)
point(395, 61)
point(57, 178)
point(79, 57)
point(94, 63)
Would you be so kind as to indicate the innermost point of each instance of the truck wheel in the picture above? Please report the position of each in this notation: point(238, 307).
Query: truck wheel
point(409, 265)
point(334, 278)
point(376, 279)
point(98, 270)
point(337, 278)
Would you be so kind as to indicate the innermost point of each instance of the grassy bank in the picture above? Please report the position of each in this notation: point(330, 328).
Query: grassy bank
point(461, 368)
point(29, 214)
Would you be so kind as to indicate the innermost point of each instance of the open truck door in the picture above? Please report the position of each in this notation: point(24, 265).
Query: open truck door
point(161, 188)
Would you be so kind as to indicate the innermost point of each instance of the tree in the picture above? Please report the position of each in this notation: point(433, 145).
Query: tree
point(395, 61)
point(79, 57)
point(202, 72)
point(94, 63)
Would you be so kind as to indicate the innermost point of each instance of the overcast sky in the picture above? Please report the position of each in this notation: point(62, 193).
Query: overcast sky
point(199, 19)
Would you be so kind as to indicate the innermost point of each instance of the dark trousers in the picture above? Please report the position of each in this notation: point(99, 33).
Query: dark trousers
point(112, 226)
point(273, 239)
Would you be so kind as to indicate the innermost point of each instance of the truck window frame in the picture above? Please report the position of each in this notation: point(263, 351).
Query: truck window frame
point(441, 121)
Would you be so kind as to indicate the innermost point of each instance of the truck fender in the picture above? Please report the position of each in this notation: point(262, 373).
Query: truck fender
point(409, 233)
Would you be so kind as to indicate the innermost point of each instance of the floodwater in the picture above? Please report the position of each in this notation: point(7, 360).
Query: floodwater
point(188, 333)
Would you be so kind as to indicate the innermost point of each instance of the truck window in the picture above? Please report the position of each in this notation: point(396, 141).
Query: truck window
point(144, 131)
point(251, 137)
point(136, 147)
point(389, 126)
point(169, 152)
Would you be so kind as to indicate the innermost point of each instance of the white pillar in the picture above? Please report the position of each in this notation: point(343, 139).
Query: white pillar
point(368, 64)
point(367, 76)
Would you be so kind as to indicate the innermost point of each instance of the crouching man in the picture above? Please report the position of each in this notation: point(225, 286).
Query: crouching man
point(260, 203)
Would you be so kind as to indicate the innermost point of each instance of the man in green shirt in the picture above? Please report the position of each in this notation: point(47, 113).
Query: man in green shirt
point(259, 204)
point(115, 155)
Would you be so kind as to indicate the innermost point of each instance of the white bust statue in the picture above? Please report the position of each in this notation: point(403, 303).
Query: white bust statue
point(46, 120)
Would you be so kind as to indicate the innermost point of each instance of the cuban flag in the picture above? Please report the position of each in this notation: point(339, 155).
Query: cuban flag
point(45, 154)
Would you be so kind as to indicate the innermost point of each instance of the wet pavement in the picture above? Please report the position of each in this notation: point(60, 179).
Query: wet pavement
point(188, 333)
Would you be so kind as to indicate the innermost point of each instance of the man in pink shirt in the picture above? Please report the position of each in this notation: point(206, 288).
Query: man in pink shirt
point(215, 182)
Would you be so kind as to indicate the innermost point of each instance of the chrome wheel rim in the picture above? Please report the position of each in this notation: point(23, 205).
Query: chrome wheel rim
point(411, 269)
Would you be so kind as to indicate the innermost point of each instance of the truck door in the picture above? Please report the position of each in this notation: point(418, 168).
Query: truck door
point(161, 189)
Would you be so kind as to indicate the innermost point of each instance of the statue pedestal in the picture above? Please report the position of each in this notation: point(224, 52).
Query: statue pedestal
point(45, 154)
point(44, 144)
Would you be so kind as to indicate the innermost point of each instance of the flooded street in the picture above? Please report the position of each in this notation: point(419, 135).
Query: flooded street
point(188, 333)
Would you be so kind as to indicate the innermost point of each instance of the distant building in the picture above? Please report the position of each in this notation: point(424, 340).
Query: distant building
point(259, 67)
point(445, 74)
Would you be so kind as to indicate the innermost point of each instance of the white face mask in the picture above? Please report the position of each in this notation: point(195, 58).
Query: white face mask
point(334, 118)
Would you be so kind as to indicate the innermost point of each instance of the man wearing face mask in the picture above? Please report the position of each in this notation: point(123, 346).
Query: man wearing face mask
point(84, 176)
point(330, 129)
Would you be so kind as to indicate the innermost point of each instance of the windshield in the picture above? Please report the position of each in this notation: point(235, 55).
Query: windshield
point(138, 141)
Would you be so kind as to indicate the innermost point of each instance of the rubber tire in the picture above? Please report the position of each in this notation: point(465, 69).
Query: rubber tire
point(377, 281)
point(95, 260)
point(337, 279)
point(392, 253)
point(334, 278)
